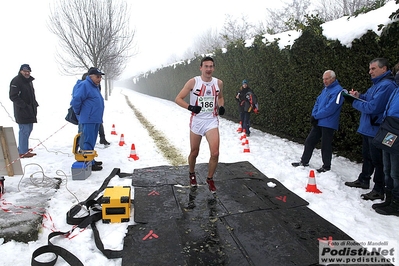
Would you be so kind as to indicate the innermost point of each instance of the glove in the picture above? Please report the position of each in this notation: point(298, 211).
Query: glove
point(256, 111)
point(313, 121)
point(195, 109)
point(221, 110)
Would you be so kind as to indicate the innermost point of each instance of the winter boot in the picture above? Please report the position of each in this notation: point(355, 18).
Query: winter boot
point(387, 202)
point(104, 141)
point(391, 209)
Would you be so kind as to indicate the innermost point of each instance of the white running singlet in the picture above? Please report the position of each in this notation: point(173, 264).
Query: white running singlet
point(204, 94)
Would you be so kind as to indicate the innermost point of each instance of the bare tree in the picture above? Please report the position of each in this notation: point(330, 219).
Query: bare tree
point(211, 40)
point(92, 33)
point(233, 29)
point(287, 17)
point(207, 42)
point(334, 9)
point(293, 13)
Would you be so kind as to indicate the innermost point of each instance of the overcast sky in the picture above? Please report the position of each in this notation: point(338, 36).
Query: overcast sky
point(172, 25)
point(175, 24)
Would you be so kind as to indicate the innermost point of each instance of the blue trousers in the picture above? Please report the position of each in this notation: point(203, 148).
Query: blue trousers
point(372, 163)
point(23, 137)
point(391, 171)
point(89, 132)
point(100, 133)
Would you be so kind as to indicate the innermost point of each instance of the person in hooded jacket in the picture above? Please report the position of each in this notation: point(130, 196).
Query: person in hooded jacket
point(324, 120)
point(22, 94)
point(88, 105)
point(245, 114)
point(372, 107)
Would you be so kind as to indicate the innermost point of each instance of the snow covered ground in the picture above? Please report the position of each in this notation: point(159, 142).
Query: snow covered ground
point(52, 140)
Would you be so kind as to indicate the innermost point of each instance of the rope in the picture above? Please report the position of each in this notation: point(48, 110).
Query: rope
point(12, 119)
point(40, 143)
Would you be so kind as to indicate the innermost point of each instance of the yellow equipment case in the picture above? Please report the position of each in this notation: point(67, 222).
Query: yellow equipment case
point(82, 155)
point(115, 204)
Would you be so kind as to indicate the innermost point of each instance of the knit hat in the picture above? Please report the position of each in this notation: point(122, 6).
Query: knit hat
point(25, 67)
point(244, 82)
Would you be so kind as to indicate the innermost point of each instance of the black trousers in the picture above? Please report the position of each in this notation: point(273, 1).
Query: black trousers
point(372, 163)
point(326, 135)
point(101, 132)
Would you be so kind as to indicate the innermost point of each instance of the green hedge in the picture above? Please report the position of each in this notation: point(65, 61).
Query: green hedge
point(287, 81)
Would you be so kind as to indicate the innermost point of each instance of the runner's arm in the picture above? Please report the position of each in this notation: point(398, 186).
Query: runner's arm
point(184, 92)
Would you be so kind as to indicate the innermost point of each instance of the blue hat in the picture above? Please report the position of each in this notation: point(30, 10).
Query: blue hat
point(244, 82)
point(25, 67)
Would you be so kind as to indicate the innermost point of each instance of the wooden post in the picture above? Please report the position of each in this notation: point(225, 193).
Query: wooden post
point(6, 154)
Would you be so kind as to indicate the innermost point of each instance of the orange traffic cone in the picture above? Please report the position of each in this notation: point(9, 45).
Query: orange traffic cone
point(113, 132)
point(122, 140)
point(246, 147)
point(311, 187)
point(244, 141)
point(133, 154)
point(239, 130)
point(243, 135)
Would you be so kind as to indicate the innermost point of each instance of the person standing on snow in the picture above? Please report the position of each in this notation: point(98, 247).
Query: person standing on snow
point(206, 104)
point(324, 120)
point(88, 105)
point(391, 165)
point(22, 94)
point(372, 108)
point(101, 132)
point(246, 107)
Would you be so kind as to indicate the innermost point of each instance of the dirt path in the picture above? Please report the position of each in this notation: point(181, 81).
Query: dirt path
point(170, 152)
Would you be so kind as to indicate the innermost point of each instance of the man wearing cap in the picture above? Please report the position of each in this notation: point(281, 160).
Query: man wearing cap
point(22, 94)
point(88, 104)
point(101, 132)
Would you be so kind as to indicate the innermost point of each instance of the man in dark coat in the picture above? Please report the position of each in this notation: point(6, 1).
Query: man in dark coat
point(22, 94)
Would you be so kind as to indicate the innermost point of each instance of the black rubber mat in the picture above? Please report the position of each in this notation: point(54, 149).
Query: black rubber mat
point(252, 220)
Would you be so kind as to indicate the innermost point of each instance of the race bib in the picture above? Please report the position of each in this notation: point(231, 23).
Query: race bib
point(207, 103)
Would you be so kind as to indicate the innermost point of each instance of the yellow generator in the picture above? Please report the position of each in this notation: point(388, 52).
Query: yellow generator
point(115, 204)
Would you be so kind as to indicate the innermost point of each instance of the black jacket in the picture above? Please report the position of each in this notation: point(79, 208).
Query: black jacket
point(244, 103)
point(22, 94)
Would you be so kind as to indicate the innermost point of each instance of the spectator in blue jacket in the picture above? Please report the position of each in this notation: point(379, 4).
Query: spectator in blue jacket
point(88, 104)
point(324, 120)
point(101, 132)
point(396, 73)
point(372, 109)
point(391, 166)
